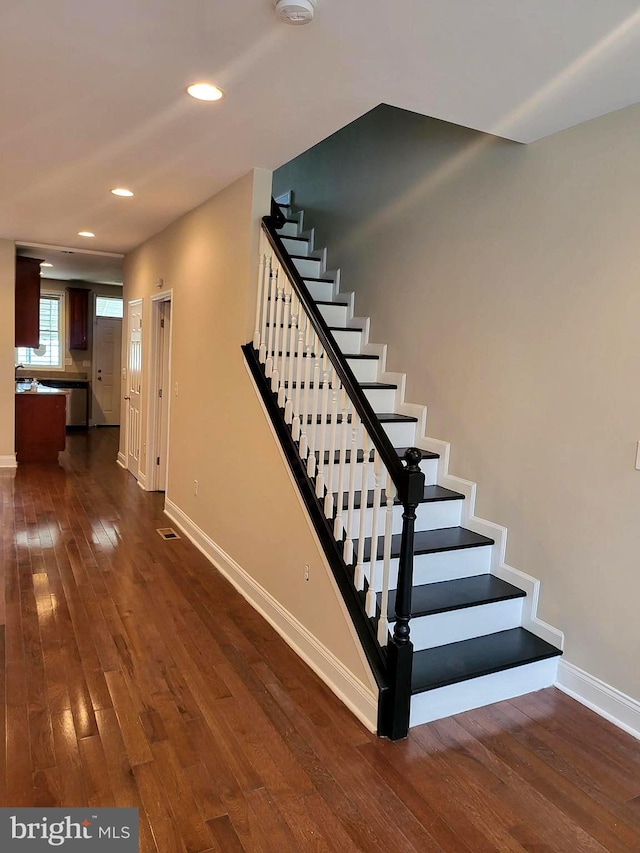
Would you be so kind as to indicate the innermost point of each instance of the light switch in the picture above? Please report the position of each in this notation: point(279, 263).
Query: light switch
point(638, 457)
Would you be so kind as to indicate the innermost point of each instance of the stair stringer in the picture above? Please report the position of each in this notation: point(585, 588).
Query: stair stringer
point(499, 567)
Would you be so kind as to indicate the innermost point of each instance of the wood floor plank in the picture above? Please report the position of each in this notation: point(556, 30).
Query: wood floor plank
point(135, 675)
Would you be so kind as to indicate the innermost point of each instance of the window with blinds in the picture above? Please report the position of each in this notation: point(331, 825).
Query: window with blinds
point(49, 353)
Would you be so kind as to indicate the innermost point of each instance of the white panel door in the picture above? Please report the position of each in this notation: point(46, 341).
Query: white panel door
point(107, 345)
point(134, 384)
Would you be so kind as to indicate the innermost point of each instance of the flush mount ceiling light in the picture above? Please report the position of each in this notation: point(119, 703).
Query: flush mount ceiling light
point(86, 234)
point(46, 264)
point(296, 12)
point(205, 92)
point(121, 191)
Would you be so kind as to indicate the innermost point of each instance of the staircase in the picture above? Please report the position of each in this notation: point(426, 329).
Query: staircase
point(446, 624)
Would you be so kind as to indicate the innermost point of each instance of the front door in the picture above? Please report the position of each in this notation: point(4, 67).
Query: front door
point(107, 344)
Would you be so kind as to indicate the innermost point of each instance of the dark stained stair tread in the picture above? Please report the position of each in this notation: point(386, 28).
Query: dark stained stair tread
point(433, 541)
point(455, 662)
point(430, 495)
point(458, 594)
point(367, 385)
point(426, 454)
point(383, 417)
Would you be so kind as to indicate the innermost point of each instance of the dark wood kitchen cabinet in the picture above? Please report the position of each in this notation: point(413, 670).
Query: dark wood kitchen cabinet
point(27, 308)
point(78, 317)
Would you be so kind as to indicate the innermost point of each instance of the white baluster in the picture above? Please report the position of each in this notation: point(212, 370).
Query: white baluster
point(297, 420)
point(265, 308)
point(373, 572)
point(333, 432)
point(291, 348)
point(273, 292)
point(359, 572)
point(306, 397)
point(383, 624)
point(353, 459)
point(262, 264)
point(286, 313)
point(314, 396)
point(275, 383)
point(338, 529)
point(323, 426)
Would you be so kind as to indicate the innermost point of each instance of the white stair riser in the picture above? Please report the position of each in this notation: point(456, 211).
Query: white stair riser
point(289, 229)
point(456, 625)
point(382, 400)
point(308, 267)
point(477, 692)
point(296, 247)
point(428, 466)
point(364, 369)
point(336, 314)
point(431, 515)
point(442, 566)
point(401, 434)
point(322, 290)
point(350, 341)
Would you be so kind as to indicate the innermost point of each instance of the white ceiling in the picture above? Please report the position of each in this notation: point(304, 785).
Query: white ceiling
point(92, 94)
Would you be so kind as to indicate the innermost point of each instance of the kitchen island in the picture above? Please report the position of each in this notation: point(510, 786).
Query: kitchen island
point(40, 423)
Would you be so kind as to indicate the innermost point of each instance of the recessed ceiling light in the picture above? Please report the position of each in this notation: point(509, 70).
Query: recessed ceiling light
point(205, 92)
point(121, 191)
point(46, 264)
point(86, 234)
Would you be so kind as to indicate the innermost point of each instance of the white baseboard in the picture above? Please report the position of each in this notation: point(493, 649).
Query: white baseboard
point(142, 481)
point(121, 460)
point(8, 461)
point(356, 696)
point(620, 709)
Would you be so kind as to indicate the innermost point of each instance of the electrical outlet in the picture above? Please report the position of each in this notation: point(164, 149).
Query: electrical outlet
point(195, 488)
point(175, 390)
point(638, 457)
point(306, 571)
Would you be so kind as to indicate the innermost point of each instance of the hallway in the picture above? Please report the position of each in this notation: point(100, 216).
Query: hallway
point(135, 675)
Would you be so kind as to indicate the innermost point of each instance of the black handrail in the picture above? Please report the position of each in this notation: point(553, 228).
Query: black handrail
point(399, 474)
point(395, 702)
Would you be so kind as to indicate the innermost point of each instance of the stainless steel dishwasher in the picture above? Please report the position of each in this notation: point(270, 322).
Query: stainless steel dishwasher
point(77, 401)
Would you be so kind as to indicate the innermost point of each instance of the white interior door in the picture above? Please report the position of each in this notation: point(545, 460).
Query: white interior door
point(134, 384)
point(163, 394)
point(107, 346)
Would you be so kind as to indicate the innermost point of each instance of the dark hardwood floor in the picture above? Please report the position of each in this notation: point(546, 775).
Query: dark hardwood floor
point(134, 675)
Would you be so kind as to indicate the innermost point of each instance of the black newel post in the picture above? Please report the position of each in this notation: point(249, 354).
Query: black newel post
point(400, 648)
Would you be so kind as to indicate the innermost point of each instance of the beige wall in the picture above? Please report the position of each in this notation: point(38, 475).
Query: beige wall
point(505, 280)
point(218, 432)
point(7, 352)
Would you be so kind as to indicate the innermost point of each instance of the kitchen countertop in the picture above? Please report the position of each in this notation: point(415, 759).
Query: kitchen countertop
point(40, 389)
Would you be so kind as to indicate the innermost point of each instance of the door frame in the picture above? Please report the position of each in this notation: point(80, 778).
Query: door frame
point(155, 379)
point(125, 373)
